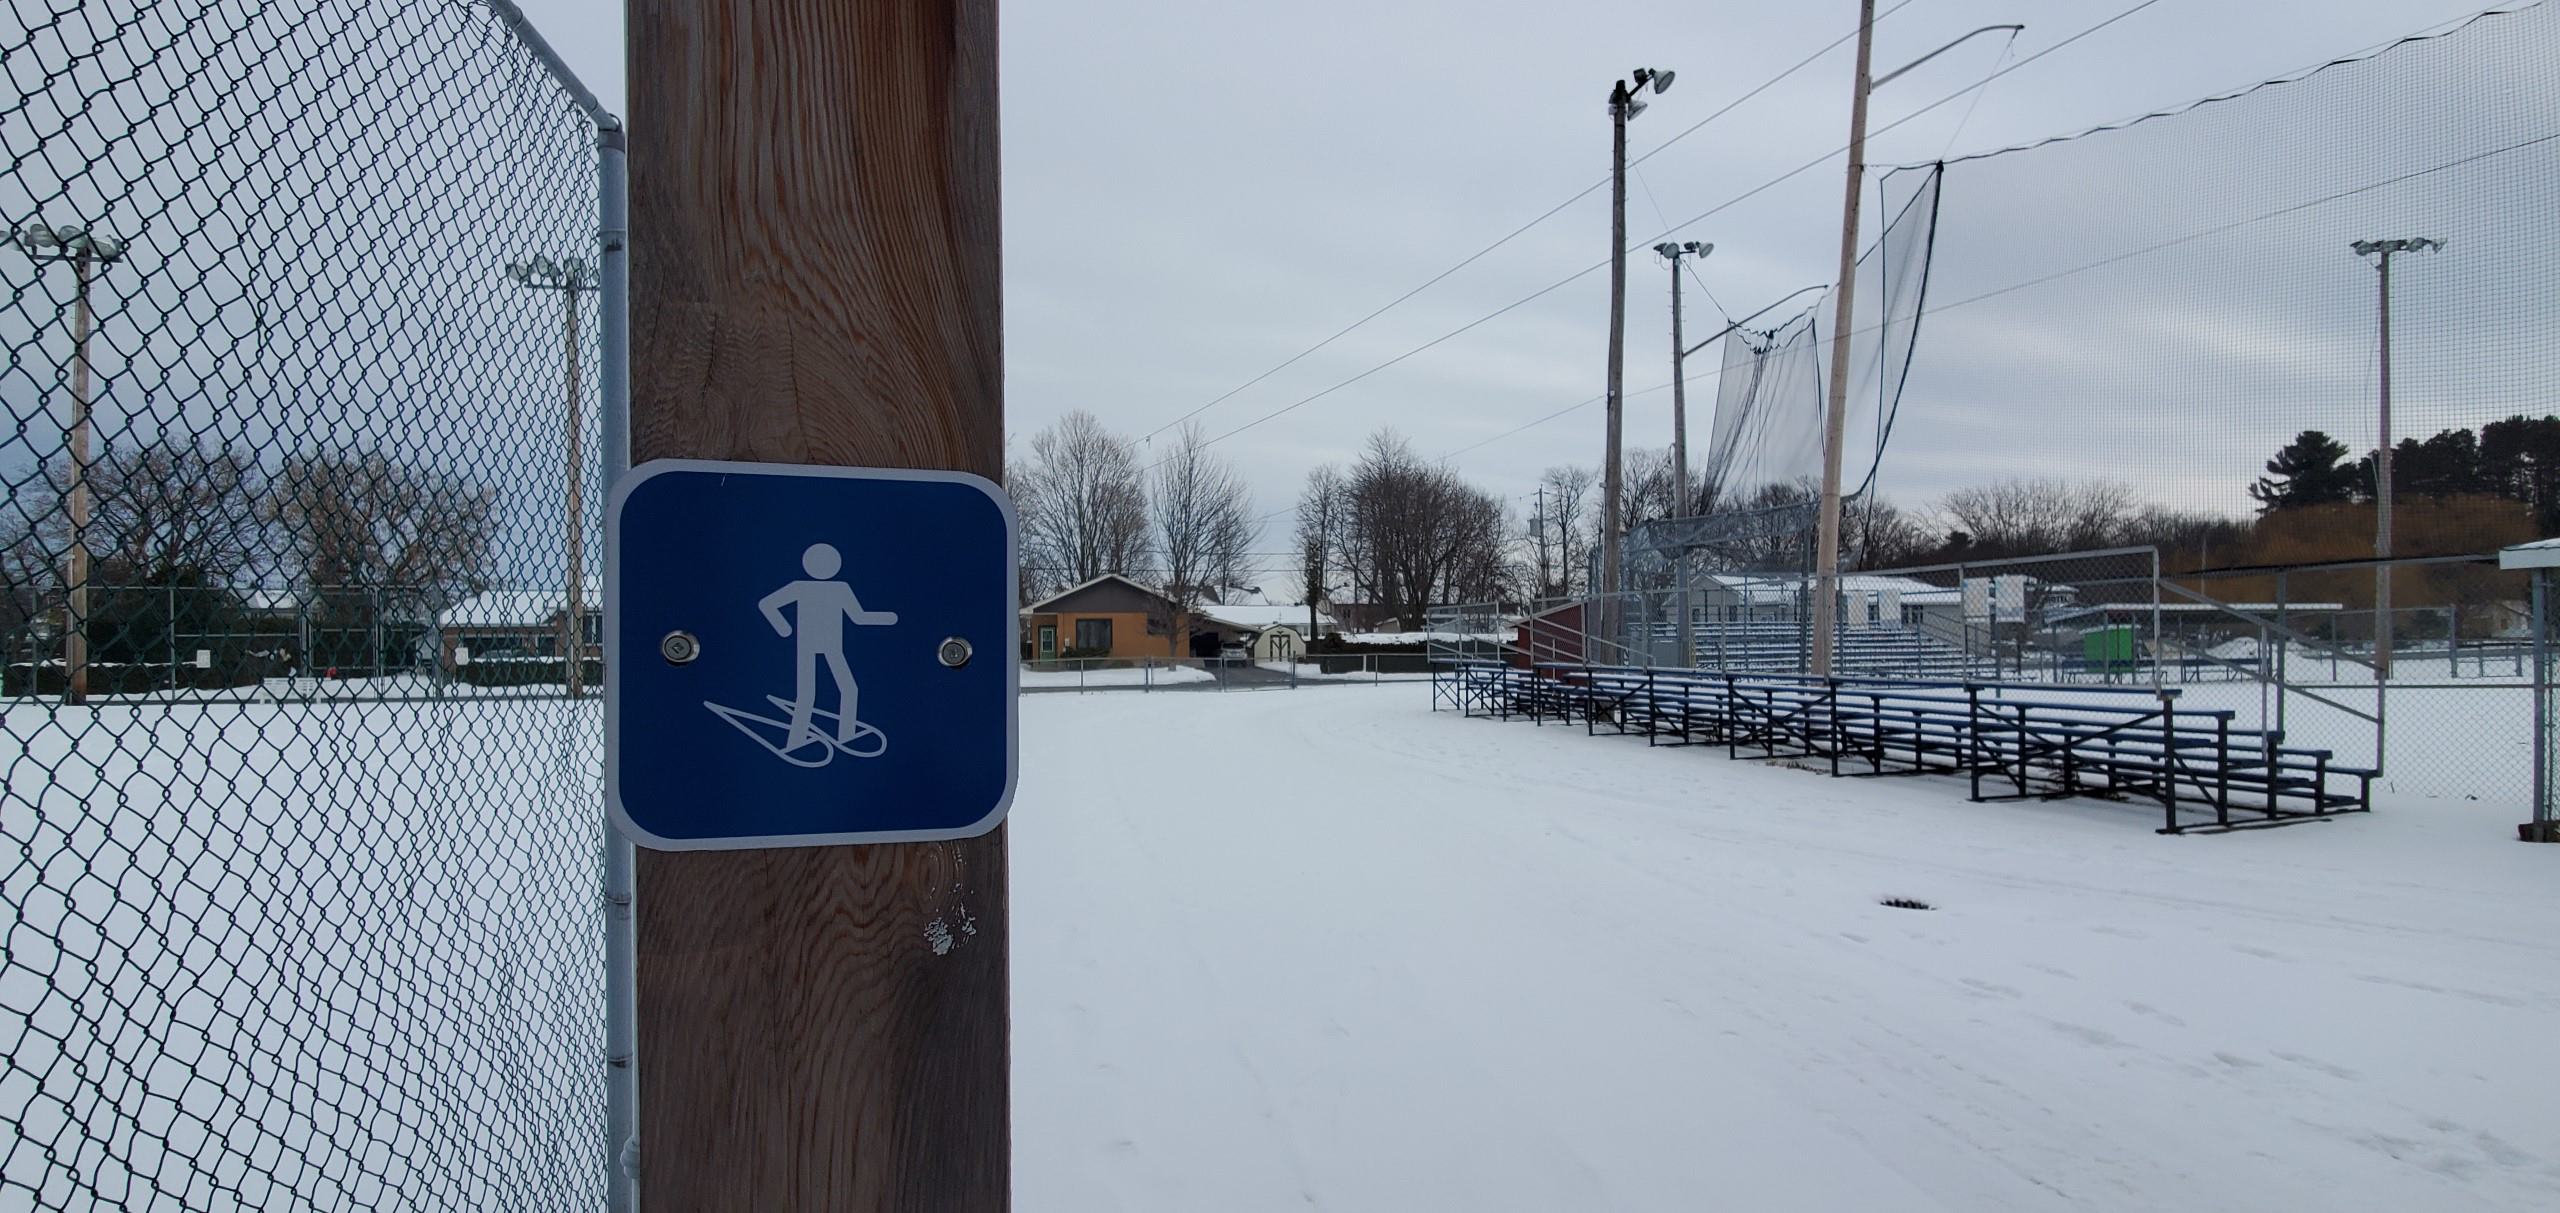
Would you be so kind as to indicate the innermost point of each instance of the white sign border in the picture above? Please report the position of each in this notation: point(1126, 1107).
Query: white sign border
point(614, 655)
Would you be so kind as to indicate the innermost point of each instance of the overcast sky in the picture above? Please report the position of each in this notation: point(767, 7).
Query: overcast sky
point(1196, 190)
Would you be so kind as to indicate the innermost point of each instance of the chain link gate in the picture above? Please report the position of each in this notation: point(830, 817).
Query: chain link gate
point(298, 715)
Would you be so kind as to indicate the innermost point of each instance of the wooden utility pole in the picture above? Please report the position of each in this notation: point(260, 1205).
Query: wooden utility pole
point(75, 633)
point(816, 279)
point(1835, 413)
point(2382, 493)
point(2382, 251)
point(1621, 101)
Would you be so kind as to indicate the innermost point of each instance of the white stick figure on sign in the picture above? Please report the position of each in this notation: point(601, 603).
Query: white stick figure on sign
point(819, 608)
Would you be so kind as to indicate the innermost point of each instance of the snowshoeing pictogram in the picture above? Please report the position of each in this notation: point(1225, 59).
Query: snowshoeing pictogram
point(820, 607)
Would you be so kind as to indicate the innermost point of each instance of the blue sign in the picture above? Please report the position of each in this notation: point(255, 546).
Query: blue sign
point(807, 656)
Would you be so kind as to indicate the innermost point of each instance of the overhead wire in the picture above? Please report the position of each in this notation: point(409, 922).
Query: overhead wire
point(1737, 199)
point(1508, 237)
point(1684, 263)
point(2007, 49)
point(2232, 226)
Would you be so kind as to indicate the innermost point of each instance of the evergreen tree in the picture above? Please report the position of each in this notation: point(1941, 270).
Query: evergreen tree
point(2520, 458)
point(2305, 472)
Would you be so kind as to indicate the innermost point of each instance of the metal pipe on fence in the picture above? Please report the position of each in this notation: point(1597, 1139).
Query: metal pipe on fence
point(2543, 702)
point(621, 942)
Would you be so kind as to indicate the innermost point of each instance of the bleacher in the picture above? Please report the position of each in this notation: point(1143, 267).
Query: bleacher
point(2009, 741)
point(1879, 650)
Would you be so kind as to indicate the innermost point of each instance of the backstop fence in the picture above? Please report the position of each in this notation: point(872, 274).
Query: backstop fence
point(302, 398)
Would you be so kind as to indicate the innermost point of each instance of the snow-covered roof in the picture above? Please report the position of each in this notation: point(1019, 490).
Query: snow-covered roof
point(2539, 554)
point(1131, 582)
point(1419, 637)
point(508, 609)
point(1912, 589)
point(1258, 617)
point(1857, 585)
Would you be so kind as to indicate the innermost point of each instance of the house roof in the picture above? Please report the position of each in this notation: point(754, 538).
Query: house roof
point(1786, 587)
point(2539, 554)
point(1080, 587)
point(1258, 617)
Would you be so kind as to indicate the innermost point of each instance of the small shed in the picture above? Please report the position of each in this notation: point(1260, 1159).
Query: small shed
point(1280, 642)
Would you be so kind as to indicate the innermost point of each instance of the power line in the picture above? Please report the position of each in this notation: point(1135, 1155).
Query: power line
point(1530, 425)
point(1674, 229)
point(1514, 233)
point(2234, 225)
point(1818, 161)
point(1682, 264)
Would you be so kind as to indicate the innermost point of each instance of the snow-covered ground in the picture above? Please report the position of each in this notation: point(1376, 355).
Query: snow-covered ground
point(1315, 671)
point(1325, 949)
point(337, 956)
point(352, 689)
point(1344, 953)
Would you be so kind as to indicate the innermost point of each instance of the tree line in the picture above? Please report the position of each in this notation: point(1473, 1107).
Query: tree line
point(2516, 460)
point(1091, 503)
point(178, 533)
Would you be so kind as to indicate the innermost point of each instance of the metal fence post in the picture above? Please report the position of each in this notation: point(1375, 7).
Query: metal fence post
point(621, 943)
point(2541, 704)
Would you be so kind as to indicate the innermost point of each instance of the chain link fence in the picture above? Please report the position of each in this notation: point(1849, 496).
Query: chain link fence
point(302, 398)
point(2436, 693)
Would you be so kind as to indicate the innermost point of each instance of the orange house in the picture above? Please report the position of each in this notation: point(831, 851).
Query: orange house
point(1109, 616)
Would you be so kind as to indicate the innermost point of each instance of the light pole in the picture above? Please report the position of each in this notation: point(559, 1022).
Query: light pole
point(569, 277)
point(2381, 251)
point(1835, 417)
point(1681, 506)
point(1679, 385)
point(1624, 105)
point(86, 251)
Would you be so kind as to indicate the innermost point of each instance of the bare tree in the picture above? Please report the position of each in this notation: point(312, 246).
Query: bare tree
point(1773, 527)
point(1083, 503)
point(1568, 521)
point(364, 522)
point(174, 527)
point(30, 582)
point(2187, 539)
point(1203, 522)
point(2019, 517)
point(162, 511)
point(1413, 533)
point(1650, 492)
point(1877, 534)
point(1319, 533)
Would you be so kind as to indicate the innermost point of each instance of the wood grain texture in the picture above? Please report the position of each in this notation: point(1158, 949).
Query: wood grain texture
point(816, 279)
